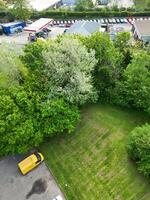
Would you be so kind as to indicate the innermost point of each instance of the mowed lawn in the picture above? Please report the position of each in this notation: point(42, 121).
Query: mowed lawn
point(92, 163)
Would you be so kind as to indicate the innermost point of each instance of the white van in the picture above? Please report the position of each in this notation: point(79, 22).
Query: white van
point(58, 198)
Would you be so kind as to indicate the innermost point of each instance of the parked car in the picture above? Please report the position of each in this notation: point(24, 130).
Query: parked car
point(114, 21)
point(41, 34)
point(121, 20)
point(102, 21)
point(62, 25)
point(46, 30)
point(58, 198)
point(110, 21)
point(30, 162)
point(1, 30)
point(29, 22)
point(125, 20)
point(106, 21)
point(118, 21)
point(67, 25)
point(65, 30)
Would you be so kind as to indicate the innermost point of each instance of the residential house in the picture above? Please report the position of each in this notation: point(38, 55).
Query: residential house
point(141, 30)
point(84, 28)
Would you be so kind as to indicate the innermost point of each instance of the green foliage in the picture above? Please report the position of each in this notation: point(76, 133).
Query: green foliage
point(83, 5)
point(12, 70)
point(21, 10)
point(96, 155)
point(134, 89)
point(88, 14)
point(139, 148)
point(68, 71)
point(58, 116)
point(20, 127)
point(108, 68)
point(122, 40)
point(32, 56)
point(62, 68)
point(25, 120)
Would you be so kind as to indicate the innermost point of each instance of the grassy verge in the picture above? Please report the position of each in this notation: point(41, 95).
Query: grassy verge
point(92, 163)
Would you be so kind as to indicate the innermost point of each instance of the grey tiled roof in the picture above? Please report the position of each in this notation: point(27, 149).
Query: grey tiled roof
point(84, 28)
point(143, 27)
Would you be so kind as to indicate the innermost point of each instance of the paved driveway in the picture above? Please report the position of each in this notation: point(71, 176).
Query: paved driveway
point(39, 184)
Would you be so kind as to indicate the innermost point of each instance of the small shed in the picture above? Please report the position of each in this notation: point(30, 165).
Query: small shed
point(13, 27)
point(39, 25)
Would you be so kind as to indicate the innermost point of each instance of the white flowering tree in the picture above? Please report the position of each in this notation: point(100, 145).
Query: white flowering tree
point(68, 71)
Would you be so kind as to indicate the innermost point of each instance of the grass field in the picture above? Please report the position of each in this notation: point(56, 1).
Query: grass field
point(141, 4)
point(92, 163)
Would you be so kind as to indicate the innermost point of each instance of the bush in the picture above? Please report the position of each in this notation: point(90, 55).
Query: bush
point(88, 14)
point(139, 148)
point(25, 119)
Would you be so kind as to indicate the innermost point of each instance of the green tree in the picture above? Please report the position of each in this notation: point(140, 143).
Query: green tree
point(68, 71)
point(25, 119)
point(108, 68)
point(12, 71)
point(134, 89)
point(139, 148)
point(83, 5)
point(64, 69)
point(122, 40)
point(2, 4)
point(32, 56)
point(123, 44)
point(21, 9)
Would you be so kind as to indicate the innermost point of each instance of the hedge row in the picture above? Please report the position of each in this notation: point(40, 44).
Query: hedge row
point(87, 14)
point(79, 15)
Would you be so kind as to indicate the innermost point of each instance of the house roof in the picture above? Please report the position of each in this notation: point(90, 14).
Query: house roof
point(38, 25)
point(143, 27)
point(84, 28)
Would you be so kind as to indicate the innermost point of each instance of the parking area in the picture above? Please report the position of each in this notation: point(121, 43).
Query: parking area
point(22, 38)
point(39, 184)
point(124, 24)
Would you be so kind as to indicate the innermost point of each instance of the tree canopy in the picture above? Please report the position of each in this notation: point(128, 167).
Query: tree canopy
point(25, 120)
point(12, 71)
point(134, 89)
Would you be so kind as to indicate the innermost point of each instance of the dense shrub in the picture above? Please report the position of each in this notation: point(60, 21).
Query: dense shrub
point(139, 148)
point(88, 14)
point(133, 90)
point(25, 119)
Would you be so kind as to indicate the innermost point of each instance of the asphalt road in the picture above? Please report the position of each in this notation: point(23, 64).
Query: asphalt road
point(39, 184)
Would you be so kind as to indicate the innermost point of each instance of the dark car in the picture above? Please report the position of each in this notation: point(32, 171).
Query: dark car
point(41, 34)
point(1, 30)
point(46, 30)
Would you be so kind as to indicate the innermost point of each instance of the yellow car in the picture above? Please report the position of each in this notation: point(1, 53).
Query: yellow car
point(30, 162)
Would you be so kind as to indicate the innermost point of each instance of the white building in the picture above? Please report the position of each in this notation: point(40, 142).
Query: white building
point(44, 4)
